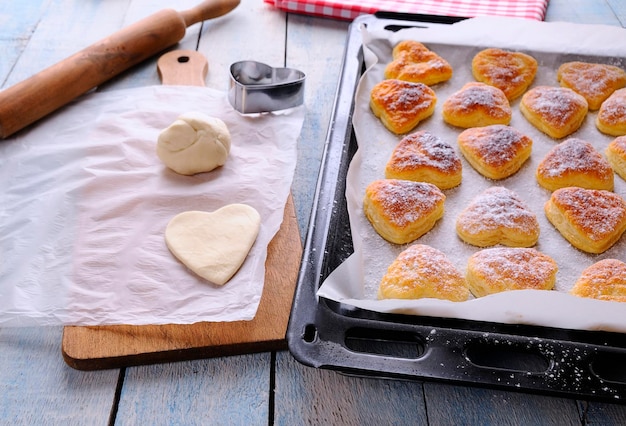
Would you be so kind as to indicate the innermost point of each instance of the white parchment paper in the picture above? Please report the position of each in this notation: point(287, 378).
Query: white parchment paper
point(85, 202)
point(356, 281)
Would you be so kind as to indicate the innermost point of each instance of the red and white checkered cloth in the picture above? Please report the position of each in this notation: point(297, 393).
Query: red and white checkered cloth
point(350, 9)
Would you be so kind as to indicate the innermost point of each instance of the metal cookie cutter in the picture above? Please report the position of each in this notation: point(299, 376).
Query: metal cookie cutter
point(257, 87)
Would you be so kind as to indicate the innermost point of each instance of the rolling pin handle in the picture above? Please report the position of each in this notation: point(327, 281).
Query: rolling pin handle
point(207, 10)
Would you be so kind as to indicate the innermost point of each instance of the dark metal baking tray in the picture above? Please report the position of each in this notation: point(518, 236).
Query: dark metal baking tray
point(330, 335)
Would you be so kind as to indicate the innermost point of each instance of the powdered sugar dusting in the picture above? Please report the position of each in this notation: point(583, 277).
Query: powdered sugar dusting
point(405, 201)
point(497, 208)
point(593, 81)
point(554, 104)
point(495, 145)
point(402, 101)
point(423, 149)
point(513, 268)
point(573, 155)
point(598, 213)
point(423, 271)
point(613, 110)
point(480, 96)
point(604, 280)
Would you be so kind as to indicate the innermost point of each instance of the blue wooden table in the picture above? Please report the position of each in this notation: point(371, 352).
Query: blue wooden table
point(39, 388)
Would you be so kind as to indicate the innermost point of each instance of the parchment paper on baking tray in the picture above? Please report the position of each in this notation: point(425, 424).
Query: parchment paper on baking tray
point(355, 282)
point(85, 202)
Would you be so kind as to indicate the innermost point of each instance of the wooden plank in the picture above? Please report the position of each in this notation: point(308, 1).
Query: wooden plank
point(447, 403)
point(38, 388)
point(250, 32)
point(595, 413)
point(619, 8)
point(581, 11)
point(59, 35)
point(145, 74)
point(309, 396)
point(323, 40)
point(18, 21)
point(219, 391)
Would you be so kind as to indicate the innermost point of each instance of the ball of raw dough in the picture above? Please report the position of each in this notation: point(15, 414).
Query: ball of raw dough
point(194, 143)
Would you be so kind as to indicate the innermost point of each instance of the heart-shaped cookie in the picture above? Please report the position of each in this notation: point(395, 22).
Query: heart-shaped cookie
point(401, 105)
point(556, 111)
point(595, 82)
point(412, 61)
point(499, 269)
point(215, 244)
point(421, 271)
point(574, 162)
point(424, 157)
point(498, 216)
point(511, 72)
point(401, 211)
point(592, 220)
point(477, 104)
point(604, 280)
point(611, 118)
point(495, 151)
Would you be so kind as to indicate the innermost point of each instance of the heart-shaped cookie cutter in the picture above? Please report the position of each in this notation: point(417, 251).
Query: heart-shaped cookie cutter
point(257, 87)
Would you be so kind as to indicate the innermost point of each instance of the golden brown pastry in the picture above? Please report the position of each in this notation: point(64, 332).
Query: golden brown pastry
point(616, 155)
point(595, 82)
point(401, 105)
point(401, 211)
point(498, 216)
point(611, 118)
point(574, 162)
point(477, 104)
point(511, 72)
point(423, 157)
point(604, 280)
point(556, 111)
point(412, 61)
point(495, 151)
point(591, 220)
point(422, 271)
point(499, 269)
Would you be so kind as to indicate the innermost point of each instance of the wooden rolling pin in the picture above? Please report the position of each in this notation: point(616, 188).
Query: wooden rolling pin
point(32, 99)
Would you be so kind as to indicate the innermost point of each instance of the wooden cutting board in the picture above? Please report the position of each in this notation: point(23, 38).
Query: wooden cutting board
point(102, 347)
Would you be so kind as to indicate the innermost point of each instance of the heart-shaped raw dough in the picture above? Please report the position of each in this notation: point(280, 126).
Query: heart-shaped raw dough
point(498, 216)
point(412, 61)
point(215, 244)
